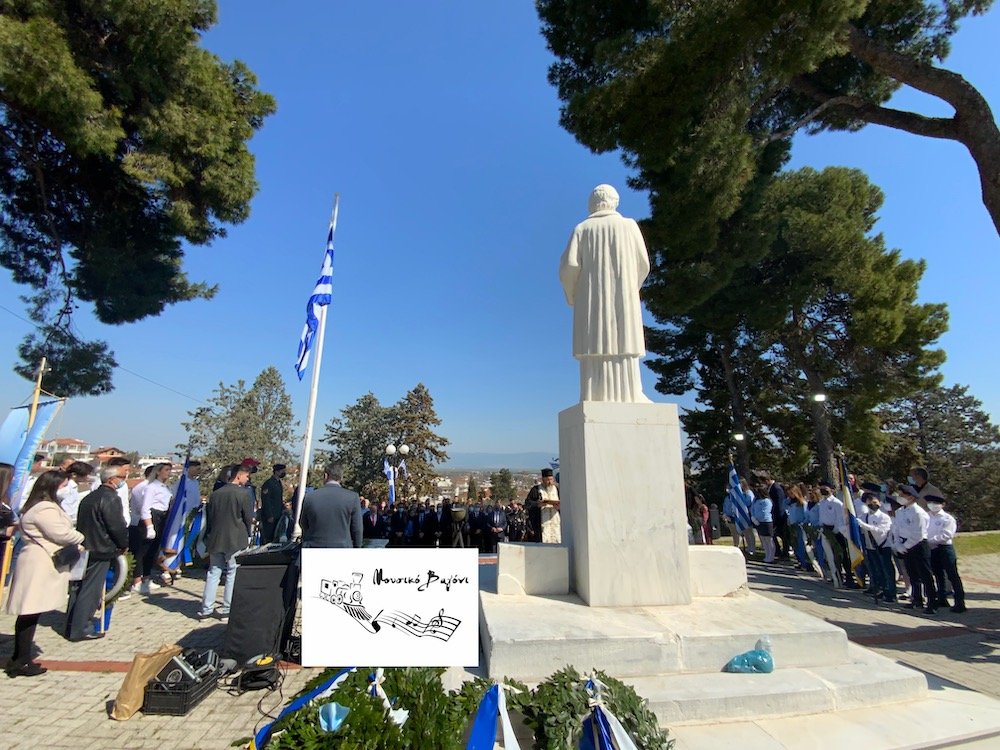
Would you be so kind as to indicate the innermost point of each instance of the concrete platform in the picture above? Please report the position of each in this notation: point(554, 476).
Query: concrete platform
point(529, 637)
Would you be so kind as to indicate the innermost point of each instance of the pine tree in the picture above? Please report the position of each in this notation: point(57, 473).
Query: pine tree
point(123, 141)
point(240, 422)
point(694, 94)
point(503, 486)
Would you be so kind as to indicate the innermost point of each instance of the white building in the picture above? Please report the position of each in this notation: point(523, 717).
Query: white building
point(78, 450)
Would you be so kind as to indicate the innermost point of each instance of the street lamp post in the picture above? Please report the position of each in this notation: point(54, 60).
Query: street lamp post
point(395, 463)
point(824, 441)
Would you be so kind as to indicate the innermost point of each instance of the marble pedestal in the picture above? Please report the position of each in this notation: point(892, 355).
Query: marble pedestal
point(623, 515)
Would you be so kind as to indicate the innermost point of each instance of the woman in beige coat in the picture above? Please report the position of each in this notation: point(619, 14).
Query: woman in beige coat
point(38, 586)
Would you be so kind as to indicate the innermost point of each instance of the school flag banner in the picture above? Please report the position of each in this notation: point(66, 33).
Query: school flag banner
point(855, 544)
point(47, 411)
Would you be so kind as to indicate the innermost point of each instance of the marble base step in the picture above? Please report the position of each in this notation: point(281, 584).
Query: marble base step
point(530, 637)
point(864, 680)
point(948, 716)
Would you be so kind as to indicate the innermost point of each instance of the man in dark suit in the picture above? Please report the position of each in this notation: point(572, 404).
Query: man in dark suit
point(495, 528)
point(376, 524)
point(272, 495)
point(228, 524)
point(331, 516)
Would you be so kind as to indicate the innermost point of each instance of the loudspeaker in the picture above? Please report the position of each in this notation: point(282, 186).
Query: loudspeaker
point(177, 671)
point(262, 611)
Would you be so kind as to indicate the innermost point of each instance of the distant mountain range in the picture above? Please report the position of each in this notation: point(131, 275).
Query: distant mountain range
point(512, 461)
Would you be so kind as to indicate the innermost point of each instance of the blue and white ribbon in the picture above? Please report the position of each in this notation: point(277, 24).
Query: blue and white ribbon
point(601, 729)
point(375, 689)
point(319, 692)
point(484, 727)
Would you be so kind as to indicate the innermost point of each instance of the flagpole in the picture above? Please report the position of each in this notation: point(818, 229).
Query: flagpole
point(313, 391)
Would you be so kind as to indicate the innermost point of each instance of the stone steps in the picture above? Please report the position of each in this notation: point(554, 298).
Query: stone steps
point(866, 678)
point(530, 637)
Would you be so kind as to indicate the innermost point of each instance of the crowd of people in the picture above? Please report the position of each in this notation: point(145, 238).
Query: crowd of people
point(74, 510)
point(895, 540)
point(481, 524)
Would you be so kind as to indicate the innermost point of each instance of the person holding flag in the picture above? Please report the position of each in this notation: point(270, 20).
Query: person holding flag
point(187, 497)
point(851, 530)
point(742, 499)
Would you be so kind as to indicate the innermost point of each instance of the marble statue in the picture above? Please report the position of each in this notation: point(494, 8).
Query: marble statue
point(601, 271)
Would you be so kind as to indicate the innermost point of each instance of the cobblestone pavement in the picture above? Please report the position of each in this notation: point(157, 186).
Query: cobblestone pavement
point(68, 706)
point(964, 649)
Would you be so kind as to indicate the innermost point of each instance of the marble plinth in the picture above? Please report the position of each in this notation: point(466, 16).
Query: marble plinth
point(717, 571)
point(623, 513)
point(537, 569)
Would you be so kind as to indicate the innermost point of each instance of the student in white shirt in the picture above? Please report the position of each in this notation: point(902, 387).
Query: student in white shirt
point(875, 526)
point(916, 552)
point(941, 531)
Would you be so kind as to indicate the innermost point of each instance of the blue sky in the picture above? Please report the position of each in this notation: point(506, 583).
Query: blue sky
point(436, 124)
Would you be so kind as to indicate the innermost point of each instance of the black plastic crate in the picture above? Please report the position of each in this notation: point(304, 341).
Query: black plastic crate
point(176, 699)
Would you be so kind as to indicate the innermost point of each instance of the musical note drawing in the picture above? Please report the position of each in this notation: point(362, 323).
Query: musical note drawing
point(441, 626)
point(437, 620)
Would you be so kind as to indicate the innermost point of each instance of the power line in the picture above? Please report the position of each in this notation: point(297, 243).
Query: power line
point(117, 366)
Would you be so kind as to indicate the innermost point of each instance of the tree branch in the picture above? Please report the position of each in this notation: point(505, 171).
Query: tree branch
point(911, 122)
point(944, 84)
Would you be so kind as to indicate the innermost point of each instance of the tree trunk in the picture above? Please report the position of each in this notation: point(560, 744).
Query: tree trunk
point(724, 350)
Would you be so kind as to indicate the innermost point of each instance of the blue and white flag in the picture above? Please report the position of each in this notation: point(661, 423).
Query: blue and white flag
point(320, 297)
point(741, 502)
point(186, 498)
point(390, 474)
point(402, 470)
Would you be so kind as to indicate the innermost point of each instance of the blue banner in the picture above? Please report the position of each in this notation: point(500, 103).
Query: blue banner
point(46, 412)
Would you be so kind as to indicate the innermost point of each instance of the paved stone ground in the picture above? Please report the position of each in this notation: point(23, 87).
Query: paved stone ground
point(964, 649)
point(68, 706)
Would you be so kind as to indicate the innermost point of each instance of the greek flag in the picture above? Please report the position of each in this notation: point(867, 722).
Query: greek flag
point(403, 470)
point(741, 503)
point(391, 476)
point(320, 297)
point(183, 503)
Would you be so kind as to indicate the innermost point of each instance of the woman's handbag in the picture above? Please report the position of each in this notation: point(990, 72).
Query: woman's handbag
point(67, 556)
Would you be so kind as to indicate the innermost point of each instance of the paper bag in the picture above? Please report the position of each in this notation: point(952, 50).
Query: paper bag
point(144, 668)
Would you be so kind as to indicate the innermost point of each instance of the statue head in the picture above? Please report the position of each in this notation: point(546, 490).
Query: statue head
point(603, 198)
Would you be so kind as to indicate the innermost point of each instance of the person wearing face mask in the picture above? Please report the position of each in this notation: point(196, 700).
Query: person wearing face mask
point(831, 517)
point(940, 536)
point(918, 479)
point(875, 527)
point(916, 552)
point(105, 536)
